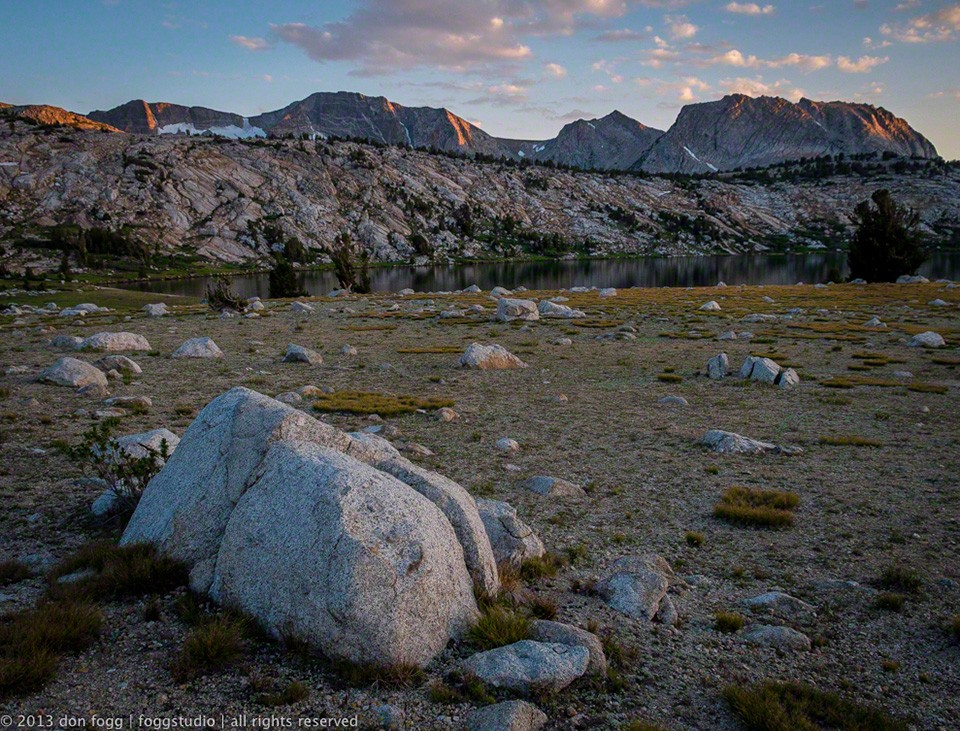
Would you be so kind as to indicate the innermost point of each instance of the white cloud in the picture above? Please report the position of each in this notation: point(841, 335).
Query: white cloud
point(862, 65)
point(251, 44)
point(940, 25)
point(680, 27)
point(555, 70)
point(749, 9)
point(736, 58)
point(758, 87)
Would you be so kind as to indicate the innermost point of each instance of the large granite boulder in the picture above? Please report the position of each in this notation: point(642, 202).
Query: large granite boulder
point(316, 533)
point(489, 357)
point(198, 348)
point(511, 309)
point(115, 342)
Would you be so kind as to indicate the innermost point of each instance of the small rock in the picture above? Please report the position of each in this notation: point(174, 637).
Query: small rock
point(512, 309)
point(782, 638)
point(198, 348)
point(301, 308)
point(299, 354)
point(526, 667)
point(635, 585)
point(446, 414)
point(927, 339)
point(490, 357)
point(507, 716)
point(718, 367)
point(543, 630)
point(348, 350)
point(674, 401)
point(552, 487)
point(711, 306)
point(75, 373)
point(724, 442)
point(507, 445)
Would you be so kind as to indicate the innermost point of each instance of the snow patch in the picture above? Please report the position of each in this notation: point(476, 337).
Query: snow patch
point(232, 131)
point(690, 153)
point(521, 153)
point(539, 148)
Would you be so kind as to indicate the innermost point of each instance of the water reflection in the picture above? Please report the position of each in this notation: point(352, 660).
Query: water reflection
point(675, 271)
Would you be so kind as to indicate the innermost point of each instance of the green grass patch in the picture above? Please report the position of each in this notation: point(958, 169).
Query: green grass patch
point(921, 387)
point(117, 571)
point(540, 567)
point(669, 377)
point(754, 507)
point(365, 402)
point(889, 601)
point(786, 706)
point(728, 622)
point(498, 626)
point(438, 349)
point(850, 441)
point(214, 645)
point(900, 578)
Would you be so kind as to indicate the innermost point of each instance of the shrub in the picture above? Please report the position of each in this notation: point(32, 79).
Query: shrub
point(351, 266)
point(283, 280)
point(786, 706)
point(126, 475)
point(221, 297)
point(498, 626)
point(694, 538)
point(901, 578)
point(889, 601)
point(753, 507)
point(539, 567)
point(214, 645)
point(541, 607)
point(12, 572)
point(885, 244)
point(728, 622)
point(118, 571)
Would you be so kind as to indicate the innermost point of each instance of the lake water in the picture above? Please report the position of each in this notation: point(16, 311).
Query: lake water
point(674, 271)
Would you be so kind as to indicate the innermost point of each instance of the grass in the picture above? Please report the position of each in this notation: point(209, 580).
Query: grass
point(851, 441)
point(449, 349)
point(889, 601)
point(954, 626)
point(787, 706)
point(728, 622)
point(540, 567)
point(921, 387)
point(32, 641)
point(638, 725)
point(900, 578)
point(293, 692)
point(212, 646)
point(457, 688)
point(694, 538)
point(541, 607)
point(669, 377)
point(498, 626)
point(759, 508)
point(364, 402)
point(13, 572)
point(118, 571)
point(361, 675)
point(852, 381)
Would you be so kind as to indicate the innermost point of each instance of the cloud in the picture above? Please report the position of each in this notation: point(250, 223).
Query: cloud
point(736, 58)
point(623, 34)
point(680, 27)
point(941, 25)
point(384, 36)
point(862, 65)
point(758, 87)
point(251, 44)
point(555, 70)
point(749, 9)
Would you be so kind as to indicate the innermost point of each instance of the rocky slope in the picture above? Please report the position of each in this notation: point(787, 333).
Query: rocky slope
point(140, 117)
point(230, 199)
point(740, 132)
point(43, 114)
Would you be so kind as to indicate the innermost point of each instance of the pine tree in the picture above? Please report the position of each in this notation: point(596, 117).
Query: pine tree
point(283, 280)
point(886, 244)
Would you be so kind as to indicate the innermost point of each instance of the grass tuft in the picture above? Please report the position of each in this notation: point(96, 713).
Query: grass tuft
point(13, 572)
point(118, 571)
point(694, 538)
point(889, 601)
point(900, 578)
point(786, 706)
point(212, 646)
point(540, 567)
point(363, 402)
point(728, 622)
point(498, 626)
point(292, 693)
point(851, 441)
point(752, 507)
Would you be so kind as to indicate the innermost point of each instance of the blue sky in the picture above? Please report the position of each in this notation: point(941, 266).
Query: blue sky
point(519, 68)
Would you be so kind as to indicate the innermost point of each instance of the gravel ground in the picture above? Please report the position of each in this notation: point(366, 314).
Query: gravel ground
point(648, 483)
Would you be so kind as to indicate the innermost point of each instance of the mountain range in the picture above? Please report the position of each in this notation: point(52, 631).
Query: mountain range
point(736, 131)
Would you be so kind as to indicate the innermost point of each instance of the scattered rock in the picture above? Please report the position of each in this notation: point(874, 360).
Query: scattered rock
point(65, 342)
point(912, 279)
point(115, 342)
point(874, 322)
point(718, 367)
point(156, 310)
point(552, 487)
point(635, 585)
point(120, 363)
point(511, 309)
point(781, 638)
point(788, 378)
point(928, 339)
point(527, 667)
point(507, 716)
point(543, 630)
point(299, 354)
point(674, 401)
point(348, 350)
point(725, 442)
point(608, 292)
point(446, 414)
point(490, 357)
point(198, 348)
point(551, 309)
point(289, 397)
point(301, 308)
point(75, 373)
point(500, 292)
point(711, 306)
point(130, 402)
point(763, 370)
point(507, 445)
point(778, 602)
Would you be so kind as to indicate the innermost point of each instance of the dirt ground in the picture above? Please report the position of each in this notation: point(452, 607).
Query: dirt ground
point(862, 508)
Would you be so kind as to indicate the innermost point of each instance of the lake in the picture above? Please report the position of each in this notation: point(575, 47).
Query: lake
point(673, 271)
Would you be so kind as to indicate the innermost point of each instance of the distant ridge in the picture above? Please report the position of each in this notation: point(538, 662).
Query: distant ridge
point(736, 131)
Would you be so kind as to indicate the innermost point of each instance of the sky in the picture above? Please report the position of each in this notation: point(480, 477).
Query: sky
point(516, 68)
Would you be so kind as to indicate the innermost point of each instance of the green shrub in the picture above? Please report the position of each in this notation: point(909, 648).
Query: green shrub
point(213, 646)
point(728, 622)
point(498, 626)
point(785, 706)
point(900, 578)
